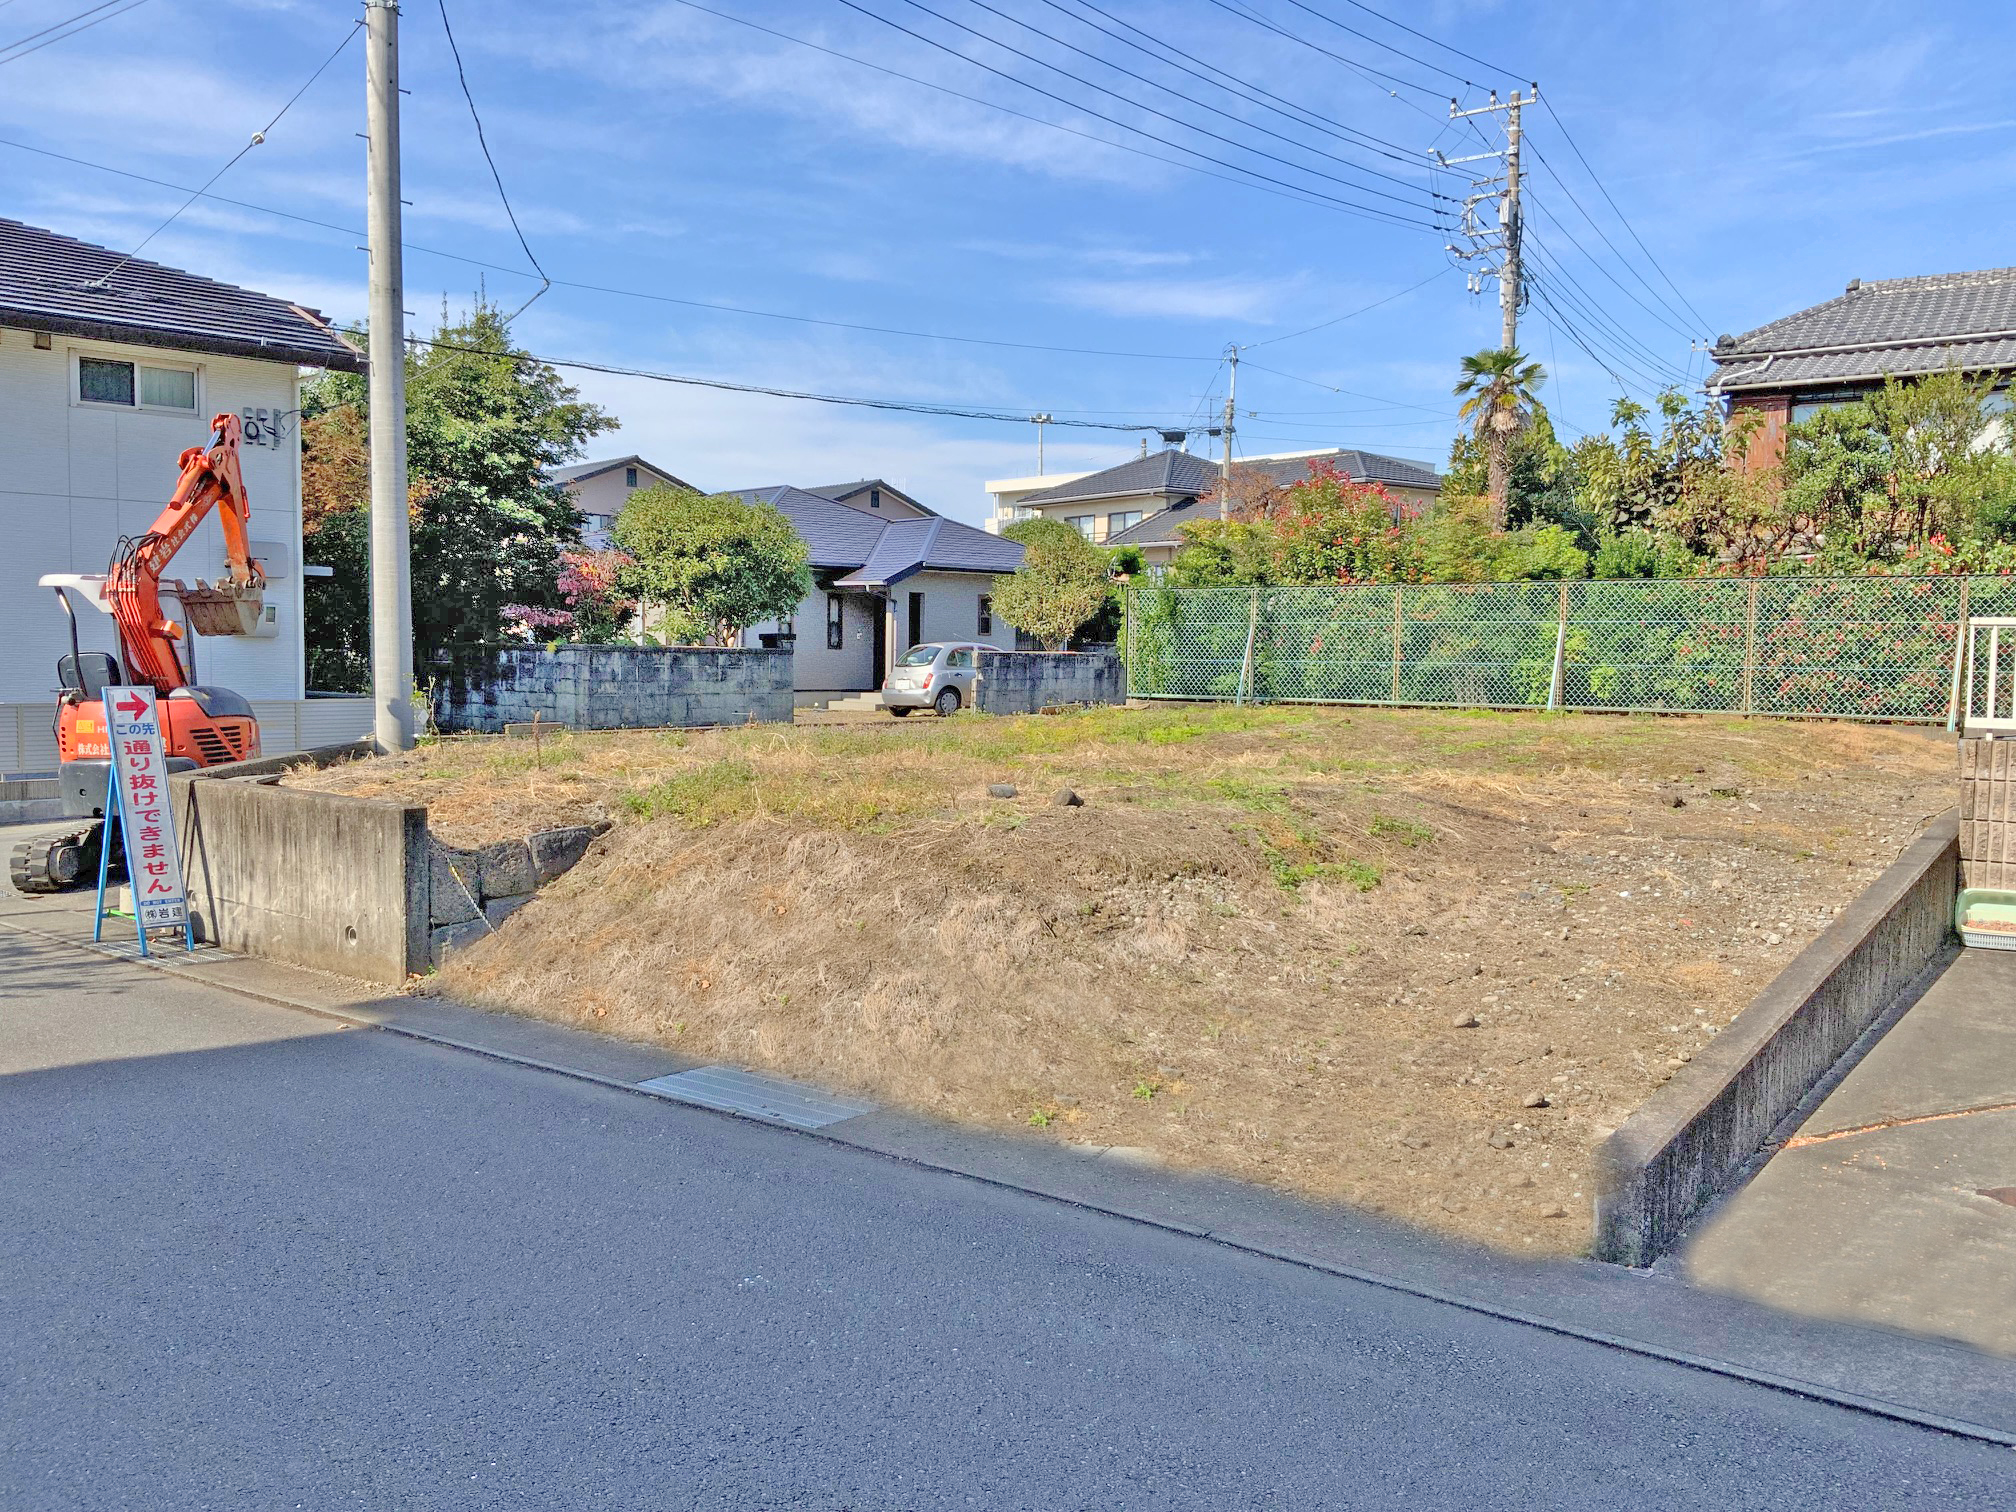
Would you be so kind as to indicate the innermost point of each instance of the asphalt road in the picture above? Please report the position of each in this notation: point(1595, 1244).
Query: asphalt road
point(248, 1259)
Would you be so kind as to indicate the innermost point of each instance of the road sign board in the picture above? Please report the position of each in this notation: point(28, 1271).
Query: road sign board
point(147, 817)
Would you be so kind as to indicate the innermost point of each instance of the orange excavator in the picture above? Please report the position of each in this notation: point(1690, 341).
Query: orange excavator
point(202, 726)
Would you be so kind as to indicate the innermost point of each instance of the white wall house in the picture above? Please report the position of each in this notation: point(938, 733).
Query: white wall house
point(884, 580)
point(100, 392)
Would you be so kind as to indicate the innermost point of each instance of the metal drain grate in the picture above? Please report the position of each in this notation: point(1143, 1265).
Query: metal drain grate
point(769, 1098)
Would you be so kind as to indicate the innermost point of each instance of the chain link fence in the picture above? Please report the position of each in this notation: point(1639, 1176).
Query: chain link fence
point(1848, 648)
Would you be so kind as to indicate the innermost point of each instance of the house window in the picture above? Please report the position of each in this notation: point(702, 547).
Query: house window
point(102, 380)
point(1115, 523)
point(836, 623)
point(1085, 525)
point(986, 625)
point(874, 498)
point(629, 477)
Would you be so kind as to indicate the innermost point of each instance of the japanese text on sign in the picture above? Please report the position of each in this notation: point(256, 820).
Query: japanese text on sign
point(153, 861)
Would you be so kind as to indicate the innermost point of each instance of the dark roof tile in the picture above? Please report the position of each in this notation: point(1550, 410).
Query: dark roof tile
point(49, 283)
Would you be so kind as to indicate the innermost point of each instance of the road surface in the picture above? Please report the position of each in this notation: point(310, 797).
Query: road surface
point(249, 1258)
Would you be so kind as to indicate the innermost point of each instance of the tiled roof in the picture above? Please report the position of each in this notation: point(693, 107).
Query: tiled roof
point(1168, 473)
point(1893, 325)
point(934, 545)
point(878, 551)
point(1159, 529)
point(580, 471)
point(51, 283)
point(1358, 466)
point(843, 492)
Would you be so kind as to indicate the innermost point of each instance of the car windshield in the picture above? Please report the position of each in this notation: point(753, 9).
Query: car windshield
point(918, 656)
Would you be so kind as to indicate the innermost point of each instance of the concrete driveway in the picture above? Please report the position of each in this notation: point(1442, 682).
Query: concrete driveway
point(256, 1259)
point(1895, 1204)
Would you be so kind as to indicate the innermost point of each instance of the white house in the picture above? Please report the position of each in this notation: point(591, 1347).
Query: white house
point(109, 368)
point(887, 576)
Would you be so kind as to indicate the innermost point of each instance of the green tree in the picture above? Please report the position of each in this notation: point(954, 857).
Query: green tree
point(1499, 390)
point(710, 565)
point(485, 424)
point(1060, 586)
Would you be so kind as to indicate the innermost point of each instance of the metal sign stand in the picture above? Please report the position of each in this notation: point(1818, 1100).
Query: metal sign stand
point(137, 759)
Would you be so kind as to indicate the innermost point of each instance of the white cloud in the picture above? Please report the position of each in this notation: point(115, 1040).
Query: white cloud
point(1229, 298)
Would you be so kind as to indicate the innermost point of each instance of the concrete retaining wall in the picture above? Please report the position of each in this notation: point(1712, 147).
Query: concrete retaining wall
point(1691, 1139)
point(618, 688)
point(1023, 682)
point(345, 884)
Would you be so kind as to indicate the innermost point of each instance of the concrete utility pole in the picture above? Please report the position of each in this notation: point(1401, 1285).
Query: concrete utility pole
point(1040, 422)
point(391, 575)
point(1506, 242)
point(1225, 466)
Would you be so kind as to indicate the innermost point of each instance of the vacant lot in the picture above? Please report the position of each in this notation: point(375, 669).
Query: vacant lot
point(1339, 952)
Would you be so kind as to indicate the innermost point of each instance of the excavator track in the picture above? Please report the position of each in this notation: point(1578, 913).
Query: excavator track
point(57, 863)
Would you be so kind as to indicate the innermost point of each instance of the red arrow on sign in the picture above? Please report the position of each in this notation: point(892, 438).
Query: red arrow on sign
point(136, 706)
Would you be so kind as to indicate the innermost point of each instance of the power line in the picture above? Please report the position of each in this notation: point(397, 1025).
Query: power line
point(15, 57)
point(1257, 95)
point(562, 283)
point(1621, 217)
point(905, 406)
point(1411, 201)
point(58, 26)
point(1634, 355)
point(495, 177)
point(1238, 89)
point(1353, 393)
point(1291, 192)
point(1253, 346)
point(1624, 262)
point(1595, 311)
point(1351, 207)
point(1368, 37)
point(1364, 71)
point(104, 280)
point(1435, 41)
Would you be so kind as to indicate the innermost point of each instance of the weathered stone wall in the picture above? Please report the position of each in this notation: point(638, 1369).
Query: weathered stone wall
point(618, 688)
point(469, 892)
point(1023, 682)
point(1695, 1134)
point(1987, 826)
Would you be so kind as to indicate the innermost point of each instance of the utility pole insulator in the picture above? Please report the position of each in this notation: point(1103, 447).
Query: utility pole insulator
point(1506, 241)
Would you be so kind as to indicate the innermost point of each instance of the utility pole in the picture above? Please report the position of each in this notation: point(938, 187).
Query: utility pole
point(1504, 243)
point(1225, 466)
point(391, 575)
point(1041, 421)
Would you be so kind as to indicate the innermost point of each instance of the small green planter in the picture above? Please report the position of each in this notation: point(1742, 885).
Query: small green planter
point(1986, 918)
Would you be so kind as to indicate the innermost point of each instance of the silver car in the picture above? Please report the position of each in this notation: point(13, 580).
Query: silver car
point(934, 675)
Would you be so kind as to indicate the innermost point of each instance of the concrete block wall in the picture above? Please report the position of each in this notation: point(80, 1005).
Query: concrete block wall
point(1023, 682)
point(619, 688)
point(1987, 825)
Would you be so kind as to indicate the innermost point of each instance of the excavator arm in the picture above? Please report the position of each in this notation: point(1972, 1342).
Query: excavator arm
point(210, 480)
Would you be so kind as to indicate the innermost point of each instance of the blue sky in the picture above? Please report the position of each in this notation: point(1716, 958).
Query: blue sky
point(1765, 153)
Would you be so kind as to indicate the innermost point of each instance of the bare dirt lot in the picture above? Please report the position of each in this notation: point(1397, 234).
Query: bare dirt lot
point(1343, 952)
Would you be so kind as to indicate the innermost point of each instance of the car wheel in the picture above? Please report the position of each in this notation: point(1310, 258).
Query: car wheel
point(947, 703)
point(899, 711)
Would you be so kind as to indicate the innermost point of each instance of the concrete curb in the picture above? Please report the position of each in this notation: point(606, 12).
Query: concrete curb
point(1693, 1138)
point(1768, 1379)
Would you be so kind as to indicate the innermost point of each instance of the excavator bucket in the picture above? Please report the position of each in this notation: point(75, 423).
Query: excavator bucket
point(225, 609)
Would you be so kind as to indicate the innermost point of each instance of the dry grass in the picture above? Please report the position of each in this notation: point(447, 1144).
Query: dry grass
point(1245, 953)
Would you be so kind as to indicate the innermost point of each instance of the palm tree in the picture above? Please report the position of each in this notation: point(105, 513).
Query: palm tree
point(1497, 390)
